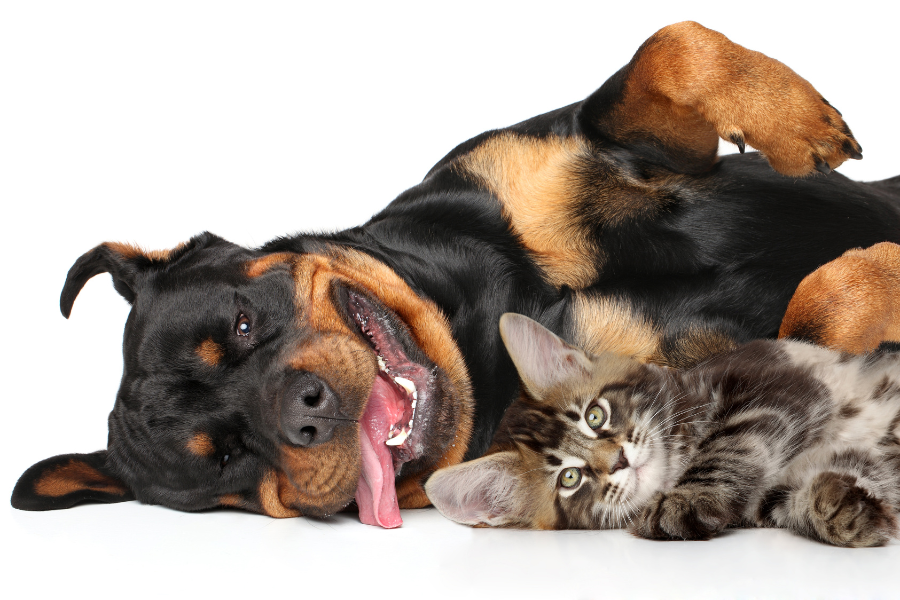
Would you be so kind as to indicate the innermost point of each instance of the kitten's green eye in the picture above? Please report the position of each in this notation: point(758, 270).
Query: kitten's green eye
point(595, 417)
point(570, 478)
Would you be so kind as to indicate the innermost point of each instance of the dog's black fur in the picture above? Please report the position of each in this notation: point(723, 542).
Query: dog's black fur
point(713, 261)
point(727, 262)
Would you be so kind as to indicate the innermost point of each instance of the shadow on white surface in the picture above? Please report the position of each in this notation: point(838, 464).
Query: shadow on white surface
point(155, 552)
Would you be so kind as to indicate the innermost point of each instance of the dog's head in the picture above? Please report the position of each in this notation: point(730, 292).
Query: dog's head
point(284, 383)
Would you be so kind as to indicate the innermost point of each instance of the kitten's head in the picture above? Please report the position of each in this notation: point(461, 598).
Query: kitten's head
point(582, 448)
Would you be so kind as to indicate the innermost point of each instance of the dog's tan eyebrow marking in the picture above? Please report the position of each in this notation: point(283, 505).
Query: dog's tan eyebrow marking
point(201, 444)
point(260, 266)
point(210, 352)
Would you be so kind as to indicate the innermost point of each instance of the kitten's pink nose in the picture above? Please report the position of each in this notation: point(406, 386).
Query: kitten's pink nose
point(621, 462)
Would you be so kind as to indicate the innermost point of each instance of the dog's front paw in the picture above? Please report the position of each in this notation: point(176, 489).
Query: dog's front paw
point(682, 514)
point(844, 514)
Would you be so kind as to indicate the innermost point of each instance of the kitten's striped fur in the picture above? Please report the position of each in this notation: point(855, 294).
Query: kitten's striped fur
point(774, 434)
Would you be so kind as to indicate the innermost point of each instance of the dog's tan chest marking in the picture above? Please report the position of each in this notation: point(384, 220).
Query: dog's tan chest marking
point(603, 325)
point(533, 179)
point(550, 188)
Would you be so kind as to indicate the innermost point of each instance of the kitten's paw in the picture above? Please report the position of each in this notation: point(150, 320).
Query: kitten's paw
point(682, 514)
point(844, 514)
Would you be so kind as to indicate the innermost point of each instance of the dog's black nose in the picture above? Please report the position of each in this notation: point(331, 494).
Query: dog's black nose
point(310, 410)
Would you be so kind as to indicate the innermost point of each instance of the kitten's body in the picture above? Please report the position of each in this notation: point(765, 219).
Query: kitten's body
point(775, 433)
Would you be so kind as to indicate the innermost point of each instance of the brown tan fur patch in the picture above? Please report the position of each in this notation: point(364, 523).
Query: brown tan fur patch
point(691, 347)
point(534, 180)
point(270, 497)
point(238, 501)
point(130, 251)
point(210, 352)
point(603, 325)
point(554, 191)
point(201, 445)
point(262, 265)
point(76, 476)
point(688, 85)
point(850, 304)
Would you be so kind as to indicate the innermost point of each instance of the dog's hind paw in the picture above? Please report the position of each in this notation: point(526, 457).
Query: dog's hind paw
point(796, 129)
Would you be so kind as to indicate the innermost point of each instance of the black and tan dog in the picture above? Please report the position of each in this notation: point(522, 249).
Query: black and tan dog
point(317, 369)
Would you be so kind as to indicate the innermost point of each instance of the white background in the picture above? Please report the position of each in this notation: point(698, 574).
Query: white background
point(151, 122)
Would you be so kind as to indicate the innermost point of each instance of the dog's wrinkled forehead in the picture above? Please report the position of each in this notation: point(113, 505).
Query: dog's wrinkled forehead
point(201, 316)
point(192, 316)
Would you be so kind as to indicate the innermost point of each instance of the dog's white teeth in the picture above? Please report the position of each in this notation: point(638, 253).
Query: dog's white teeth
point(398, 439)
point(414, 402)
point(407, 385)
point(382, 366)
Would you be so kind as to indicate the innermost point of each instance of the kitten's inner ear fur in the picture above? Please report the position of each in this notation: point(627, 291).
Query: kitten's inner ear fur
point(486, 491)
point(542, 358)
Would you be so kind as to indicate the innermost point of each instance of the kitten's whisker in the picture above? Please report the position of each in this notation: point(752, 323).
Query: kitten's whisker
point(671, 418)
point(683, 412)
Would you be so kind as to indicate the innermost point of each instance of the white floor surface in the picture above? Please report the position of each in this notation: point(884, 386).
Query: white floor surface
point(155, 552)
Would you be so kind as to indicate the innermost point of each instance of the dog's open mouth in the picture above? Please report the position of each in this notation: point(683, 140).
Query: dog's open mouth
point(394, 425)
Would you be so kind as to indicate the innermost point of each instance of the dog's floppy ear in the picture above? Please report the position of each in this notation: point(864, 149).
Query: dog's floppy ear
point(126, 263)
point(485, 491)
point(542, 358)
point(66, 480)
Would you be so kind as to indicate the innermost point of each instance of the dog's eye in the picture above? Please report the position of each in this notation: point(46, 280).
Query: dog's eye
point(243, 326)
point(231, 453)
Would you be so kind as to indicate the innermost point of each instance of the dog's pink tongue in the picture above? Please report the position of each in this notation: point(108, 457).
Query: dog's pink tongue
point(376, 496)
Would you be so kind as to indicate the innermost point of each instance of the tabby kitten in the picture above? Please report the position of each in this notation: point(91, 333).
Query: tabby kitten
point(773, 434)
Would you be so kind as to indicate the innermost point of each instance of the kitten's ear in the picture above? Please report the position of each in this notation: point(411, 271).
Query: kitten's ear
point(485, 491)
point(66, 480)
point(542, 358)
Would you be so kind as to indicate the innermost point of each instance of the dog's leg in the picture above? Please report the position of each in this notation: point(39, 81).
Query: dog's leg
point(687, 86)
point(851, 304)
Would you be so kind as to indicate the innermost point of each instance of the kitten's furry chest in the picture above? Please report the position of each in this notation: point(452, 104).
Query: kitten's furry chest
point(864, 393)
point(863, 408)
point(793, 409)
